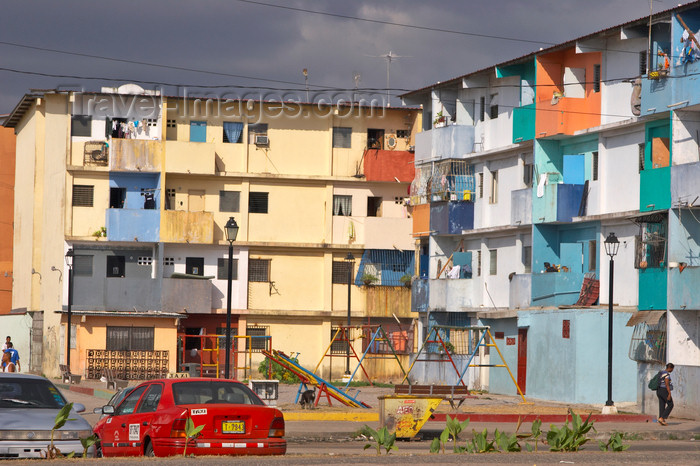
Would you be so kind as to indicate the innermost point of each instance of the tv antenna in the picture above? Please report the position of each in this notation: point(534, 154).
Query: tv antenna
point(389, 58)
point(356, 77)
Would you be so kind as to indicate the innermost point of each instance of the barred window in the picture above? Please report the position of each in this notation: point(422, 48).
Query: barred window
point(596, 78)
point(257, 203)
point(222, 269)
point(340, 344)
point(341, 269)
point(257, 343)
point(82, 265)
point(116, 266)
point(342, 137)
point(229, 201)
point(83, 195)
point(130, 338)
point(259, 270)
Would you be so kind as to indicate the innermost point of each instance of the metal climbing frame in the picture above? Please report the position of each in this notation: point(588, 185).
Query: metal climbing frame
point(209, 350)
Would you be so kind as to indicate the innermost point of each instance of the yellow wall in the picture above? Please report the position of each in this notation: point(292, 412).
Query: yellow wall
point(88, 220)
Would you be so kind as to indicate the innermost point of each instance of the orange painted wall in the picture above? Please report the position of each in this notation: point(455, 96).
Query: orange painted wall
point(421, 219)
point(569, 114)
point(386, 165)
point(7, 199)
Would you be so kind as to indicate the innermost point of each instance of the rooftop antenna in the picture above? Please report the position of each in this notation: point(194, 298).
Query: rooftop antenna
point(305, 72)
point(356, 77)
point(389, 57)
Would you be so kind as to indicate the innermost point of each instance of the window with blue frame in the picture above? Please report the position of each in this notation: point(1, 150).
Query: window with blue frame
point(387, 266)
point(198, 131)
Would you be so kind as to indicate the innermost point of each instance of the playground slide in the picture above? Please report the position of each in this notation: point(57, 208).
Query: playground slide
point(313, 379)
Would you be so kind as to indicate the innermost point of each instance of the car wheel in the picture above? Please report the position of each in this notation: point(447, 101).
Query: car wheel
point(98, 449)
point(148, 450)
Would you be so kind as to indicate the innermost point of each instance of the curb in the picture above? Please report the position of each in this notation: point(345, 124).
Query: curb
point(545, 418)
point(337, 416)
point(96, 392)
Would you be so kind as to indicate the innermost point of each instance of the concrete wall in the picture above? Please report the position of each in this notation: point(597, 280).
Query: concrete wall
point(686, 396)
point(618, 159)
point(18, 327)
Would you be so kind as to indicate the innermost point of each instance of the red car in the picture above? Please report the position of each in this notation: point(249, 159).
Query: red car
point(151, 420)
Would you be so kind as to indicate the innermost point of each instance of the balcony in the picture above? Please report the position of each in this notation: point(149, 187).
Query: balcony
point(684, 180)
point(190, 295)
point(560, 203)
point(387, 301)
point(521, 207)
point(116, 294)
point(524, 123)
point(133, 225)
point(451, 218)
point(454, 141)
point(683, 292)
point(555, 288)
point(454, 295)
point(135, 155)
point(655, 189)
point(190, 157)
point(653, 283)
point(520, 291)
point(178, 226)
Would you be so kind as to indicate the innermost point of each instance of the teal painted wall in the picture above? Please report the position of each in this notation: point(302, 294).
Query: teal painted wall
point(499, 379)
point(655, 183)
point(652, 289)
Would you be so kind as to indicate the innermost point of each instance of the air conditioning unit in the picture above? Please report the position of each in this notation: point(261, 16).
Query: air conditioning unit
point(262, 140)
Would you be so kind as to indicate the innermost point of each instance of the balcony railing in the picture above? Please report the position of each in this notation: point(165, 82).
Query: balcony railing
point(179, 226)
point(454, 141)
point(133, 225)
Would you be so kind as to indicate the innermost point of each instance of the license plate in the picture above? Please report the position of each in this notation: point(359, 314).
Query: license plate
point(233, 427)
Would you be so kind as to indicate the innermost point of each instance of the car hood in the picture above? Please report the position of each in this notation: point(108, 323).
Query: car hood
point(38, 419)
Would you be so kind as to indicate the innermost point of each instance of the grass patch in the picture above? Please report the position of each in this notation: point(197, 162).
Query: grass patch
point(631, 436)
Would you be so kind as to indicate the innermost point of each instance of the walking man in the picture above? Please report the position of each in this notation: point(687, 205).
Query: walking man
point(664, 394)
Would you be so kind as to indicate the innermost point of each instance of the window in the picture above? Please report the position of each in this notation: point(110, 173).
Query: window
point(82, 266)
point(233, 132)
point(259, 129)
point(528, 170)
point(596, 78)
point(482, 108)
point(81, 125)
point(168, 261)
point(169, 199)
point(198, 131)
point(145, 260)
point(493, 261)
point(150, 400)
point(566, 329)
point(256, 342)
point(129, 404)
point(171, 130)
point(374, 206)
point(575, 82)
point(259, 270)
point(527, 258)
point(341, 271)
point(342, 137)
point(595, 165)
point(221, 331)
point(592, 255)
point(222, 269)
point(117, 196)
point(641, 157)
point(493, 109)
point(403, 133)
point(342, 205)
point(130, 338)
point(194, 266)
point(83, 195)
point(478, 263)
point(481, 185)
point(642, 63)
point(494, 187)
point(340, 344)
point(115, 266)
point(229, 201)
point(257, 203)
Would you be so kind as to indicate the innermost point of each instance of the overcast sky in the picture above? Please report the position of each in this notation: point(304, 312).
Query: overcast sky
point(273, 45)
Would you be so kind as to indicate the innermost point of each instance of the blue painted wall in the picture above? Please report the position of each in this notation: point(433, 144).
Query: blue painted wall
point(655, 183)
point(451, 217)
point(652, 289)
point(574, 370)
point(499, 379)
point(133, 222)
point(568, 201)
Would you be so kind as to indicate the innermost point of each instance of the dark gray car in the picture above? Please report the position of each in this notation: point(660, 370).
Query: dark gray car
point(28, 408)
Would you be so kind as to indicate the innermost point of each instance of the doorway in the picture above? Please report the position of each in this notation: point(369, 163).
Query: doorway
point(375, 138)
point(522, 359)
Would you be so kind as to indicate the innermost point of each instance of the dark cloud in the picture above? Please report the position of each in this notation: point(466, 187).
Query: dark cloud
point(228, 36)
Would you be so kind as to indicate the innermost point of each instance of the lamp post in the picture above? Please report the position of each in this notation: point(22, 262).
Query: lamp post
point(611, 246)
point(69, 262)
point(350, 259)
point(231, 230)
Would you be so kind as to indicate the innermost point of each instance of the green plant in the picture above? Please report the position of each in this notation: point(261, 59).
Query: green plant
point(102, 232)
point(381, 438)
point(439, 442)
point(61, 418)
point(536, 432)
point(452, 429)
point(368, 279)
point(506, 442)
point(439, 118)
point(480, 443)
point(191, 432)
point(88, 442)
point(449, 347)
point(278, 372)
point(614, 443)
point(569, 439)
point(406, 280)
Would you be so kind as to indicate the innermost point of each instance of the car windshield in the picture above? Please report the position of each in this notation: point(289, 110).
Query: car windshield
point(16, 392)
point(197, 392)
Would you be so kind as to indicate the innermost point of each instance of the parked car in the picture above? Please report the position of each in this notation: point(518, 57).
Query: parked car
point(28, 408)
point(152, 419)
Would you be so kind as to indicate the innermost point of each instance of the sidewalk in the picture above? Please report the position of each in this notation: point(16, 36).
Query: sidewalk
point(484, 411)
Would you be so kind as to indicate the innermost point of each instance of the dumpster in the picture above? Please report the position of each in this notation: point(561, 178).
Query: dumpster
point(405, 415)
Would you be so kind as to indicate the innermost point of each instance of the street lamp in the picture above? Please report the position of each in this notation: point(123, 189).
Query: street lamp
point(231, 230)
point(350, 259)
point(611, 246)
point(70, 255)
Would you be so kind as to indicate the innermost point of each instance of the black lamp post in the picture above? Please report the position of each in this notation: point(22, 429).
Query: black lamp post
point(351, 265)
point(69, 262)
point(611, 246)
point(231, 230)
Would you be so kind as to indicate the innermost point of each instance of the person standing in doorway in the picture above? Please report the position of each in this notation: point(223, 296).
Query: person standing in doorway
point(664, 394)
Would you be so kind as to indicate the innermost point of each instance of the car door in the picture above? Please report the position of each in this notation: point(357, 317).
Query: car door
point(115, 438)
point(139, 423)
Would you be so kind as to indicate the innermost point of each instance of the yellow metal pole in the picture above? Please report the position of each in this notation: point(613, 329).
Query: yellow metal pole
point(417, 355)
point(327, 348)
